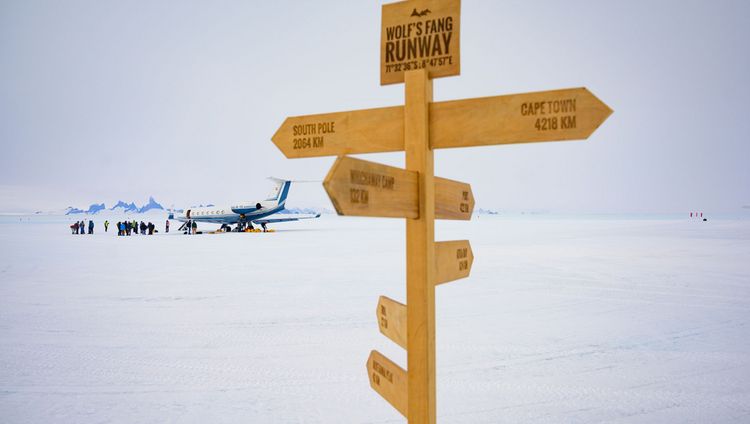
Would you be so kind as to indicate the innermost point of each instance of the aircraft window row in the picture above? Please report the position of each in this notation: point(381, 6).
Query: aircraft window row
point(202, 213)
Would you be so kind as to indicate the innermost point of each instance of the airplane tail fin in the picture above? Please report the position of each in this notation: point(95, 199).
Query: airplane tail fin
point(280, 190)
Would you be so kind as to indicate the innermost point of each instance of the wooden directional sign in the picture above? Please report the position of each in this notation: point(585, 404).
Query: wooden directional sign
point(557, 115)
point(453, 260)
point(453, 200)
point(389, 380)
point(420, 40)
point(333, 134)
point(420, 34)
point(392, 320)
point(361, 188)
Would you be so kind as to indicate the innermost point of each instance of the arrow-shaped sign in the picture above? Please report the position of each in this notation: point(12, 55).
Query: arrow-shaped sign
point(392, 320)
point(570, 114)
point(453, 260)
point(453, 200)
point(342, 133)
point(556, 115)
point(389, 380)
point(361, 188)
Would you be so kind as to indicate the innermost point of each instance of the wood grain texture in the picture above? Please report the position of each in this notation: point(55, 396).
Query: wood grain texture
point(392, 320)
point(389, 380)
point(361, 188)
point(341, 133)
point(420, 254)
point(420, 34)
point(453, 199)
point(453, 260)
point(557, 115)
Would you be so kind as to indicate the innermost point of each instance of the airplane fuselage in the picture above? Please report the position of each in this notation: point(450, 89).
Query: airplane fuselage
point(230, 214)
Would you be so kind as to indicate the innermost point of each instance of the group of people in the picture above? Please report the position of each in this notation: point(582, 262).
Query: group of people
point(80, 227)
point(124, 228)
point(127, 228)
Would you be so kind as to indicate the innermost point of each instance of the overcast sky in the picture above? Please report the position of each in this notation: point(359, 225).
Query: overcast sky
point(107, 100)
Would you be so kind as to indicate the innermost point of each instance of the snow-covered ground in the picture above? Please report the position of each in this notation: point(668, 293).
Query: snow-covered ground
point(561, 321)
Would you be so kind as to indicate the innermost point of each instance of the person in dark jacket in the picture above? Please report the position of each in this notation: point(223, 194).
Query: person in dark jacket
point(151, 229)
point(167, 227)
point(106, 225)
point(91, 227)
point(82, 228)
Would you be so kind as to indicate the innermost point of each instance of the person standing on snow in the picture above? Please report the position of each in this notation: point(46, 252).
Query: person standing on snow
point(195, 227)
point(167, 230)
point(91, 227)
point(106, 225)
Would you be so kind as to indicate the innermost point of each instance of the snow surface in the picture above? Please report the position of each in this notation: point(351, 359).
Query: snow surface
point(562, 320)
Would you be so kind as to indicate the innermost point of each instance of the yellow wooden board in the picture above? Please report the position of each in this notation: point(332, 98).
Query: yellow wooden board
point(453, 199)
point(453, 260)
point(333, 134)
point(420, 254)
point(392, 320)
point(557, 115)
point(389, 380)
point(569, 114)
point(420, 34)
point(362, 188)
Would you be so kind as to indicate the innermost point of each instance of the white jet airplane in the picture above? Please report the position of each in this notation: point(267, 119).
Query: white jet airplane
point(247, 212)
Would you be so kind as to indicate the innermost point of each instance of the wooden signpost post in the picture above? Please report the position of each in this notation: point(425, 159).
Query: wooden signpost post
point(420, 41)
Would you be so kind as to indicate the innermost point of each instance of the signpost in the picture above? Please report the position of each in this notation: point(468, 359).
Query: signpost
point(420, 41)
point(558, 115)
point(389, 380)
point(420, 34)
point(453, 260)
point(360, 188)
point(392, 320)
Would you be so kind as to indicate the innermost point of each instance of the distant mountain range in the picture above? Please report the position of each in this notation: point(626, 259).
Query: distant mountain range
point(121, 207)
point(153, 205)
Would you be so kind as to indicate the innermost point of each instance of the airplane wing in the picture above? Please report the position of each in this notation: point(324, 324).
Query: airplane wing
point(281, 218)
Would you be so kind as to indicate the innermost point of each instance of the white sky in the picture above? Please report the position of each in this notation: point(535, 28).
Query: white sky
point(108, 100)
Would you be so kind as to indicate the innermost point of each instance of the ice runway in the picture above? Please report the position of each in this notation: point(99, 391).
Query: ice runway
point(562, 320)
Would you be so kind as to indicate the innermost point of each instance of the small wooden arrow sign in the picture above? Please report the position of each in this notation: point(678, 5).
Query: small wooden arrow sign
point(333, 134)
point(361, 188)
point(389, 380)
point(557, 115)
point(453, 260)
point(453, 199)
point(392, 320)
point(570, 114)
